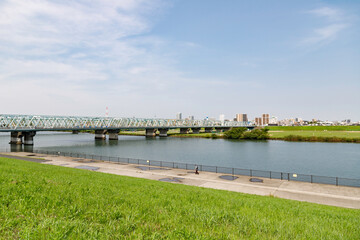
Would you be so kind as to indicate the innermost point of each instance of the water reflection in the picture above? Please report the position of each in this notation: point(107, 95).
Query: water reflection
point(16, 147)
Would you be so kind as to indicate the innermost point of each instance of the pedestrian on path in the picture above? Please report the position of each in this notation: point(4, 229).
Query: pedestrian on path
point(196, 169)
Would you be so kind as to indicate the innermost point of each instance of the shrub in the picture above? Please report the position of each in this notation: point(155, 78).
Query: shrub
point(241, 133)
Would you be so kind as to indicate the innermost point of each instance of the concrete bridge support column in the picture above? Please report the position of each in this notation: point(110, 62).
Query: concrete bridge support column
point(208, 129)
point(184, 130)
point(29, 138)
point(195, 130)
point(100, 134)
point(163, 132)
point(114, 134)
point(75, 132)
point(16, 138)
point(150, 132)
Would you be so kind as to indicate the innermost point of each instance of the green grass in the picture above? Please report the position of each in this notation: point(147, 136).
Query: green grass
point(40, 201)
point(339, 134)
point(314, 128)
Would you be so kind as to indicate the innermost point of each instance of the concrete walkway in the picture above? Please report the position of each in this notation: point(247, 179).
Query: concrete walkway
point(340, 196)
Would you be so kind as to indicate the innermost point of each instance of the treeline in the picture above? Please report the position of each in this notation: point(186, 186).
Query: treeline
point(297, 138)
point(243, 133)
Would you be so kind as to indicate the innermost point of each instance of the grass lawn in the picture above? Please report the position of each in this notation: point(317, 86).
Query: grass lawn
point(40, 201)
point(339, 134)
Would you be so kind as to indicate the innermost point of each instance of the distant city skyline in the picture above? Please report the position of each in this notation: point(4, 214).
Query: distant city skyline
point(202, 58)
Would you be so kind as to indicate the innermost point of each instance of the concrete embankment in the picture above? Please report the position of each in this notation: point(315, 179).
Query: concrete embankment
point(340, 196)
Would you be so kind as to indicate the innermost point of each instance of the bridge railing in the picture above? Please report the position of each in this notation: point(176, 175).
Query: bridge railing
point(338, 181)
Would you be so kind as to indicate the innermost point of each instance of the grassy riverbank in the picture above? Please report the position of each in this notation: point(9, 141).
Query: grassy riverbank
point(314, 128)
point(316, 133)
point(296, 134)
point(319, 134)
point(49, 202)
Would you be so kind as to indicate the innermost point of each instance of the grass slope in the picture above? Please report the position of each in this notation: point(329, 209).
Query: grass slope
point(48, 202)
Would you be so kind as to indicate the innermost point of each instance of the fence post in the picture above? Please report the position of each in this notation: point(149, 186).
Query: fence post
point(186, 166)
point(128, 160)
point(138, 161)
point(337, 181)
point(311, 178)
point(160, 163)
point(233, 171)
point(250, 172)
point(200, 167)
point(281, 176)
point(270, 174)
point(288, 176)
point(216, 169)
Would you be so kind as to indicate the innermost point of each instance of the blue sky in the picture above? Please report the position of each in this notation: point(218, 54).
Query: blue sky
point(202, 58)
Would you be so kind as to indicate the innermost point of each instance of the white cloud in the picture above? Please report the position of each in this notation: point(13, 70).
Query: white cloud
point(335, 24)
point(85, 52)
point(323, 34)
point(331, 13)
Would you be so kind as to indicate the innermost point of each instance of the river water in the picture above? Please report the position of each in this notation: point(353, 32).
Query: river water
point(324, 159)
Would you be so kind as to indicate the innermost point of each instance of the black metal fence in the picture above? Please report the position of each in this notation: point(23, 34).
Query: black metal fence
point(338, 181)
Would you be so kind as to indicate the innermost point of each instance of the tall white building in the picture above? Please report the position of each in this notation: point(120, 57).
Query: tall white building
point(222, 117)
point(179, 116)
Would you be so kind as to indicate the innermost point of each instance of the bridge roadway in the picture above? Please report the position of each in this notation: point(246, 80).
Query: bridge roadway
point(26, 126)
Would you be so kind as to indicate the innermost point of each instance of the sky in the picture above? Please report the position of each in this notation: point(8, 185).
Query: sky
point(155, 58)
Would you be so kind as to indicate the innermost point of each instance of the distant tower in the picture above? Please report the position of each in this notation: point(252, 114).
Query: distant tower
point(222, 117)
point(107, 112)
point(265, 119)
point(179, 116)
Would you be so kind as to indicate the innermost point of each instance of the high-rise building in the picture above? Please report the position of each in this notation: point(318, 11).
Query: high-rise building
point(265, 119)
point(241, 117)
point(258, 122)
point(222, 117)
point(179, 116)
point(191, 117)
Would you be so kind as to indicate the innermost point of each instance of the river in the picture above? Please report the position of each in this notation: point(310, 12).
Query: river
point(324, 159)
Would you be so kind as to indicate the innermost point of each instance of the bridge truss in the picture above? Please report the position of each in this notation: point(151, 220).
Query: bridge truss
point(9, 123)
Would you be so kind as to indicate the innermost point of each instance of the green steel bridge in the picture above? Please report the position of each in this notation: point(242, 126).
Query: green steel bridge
point(28, 125)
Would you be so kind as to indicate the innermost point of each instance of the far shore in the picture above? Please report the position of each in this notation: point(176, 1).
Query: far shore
point(284, 135)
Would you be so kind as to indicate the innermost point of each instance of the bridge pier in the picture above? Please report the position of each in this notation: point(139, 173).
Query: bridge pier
point(100, 134)
point(75, 131)
point(29, 137)
point(195, 130)
point(150, 132)
point(184, 130)
point(114, 134)
point(163, 132)
point(16, 138)
point(208, 129)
